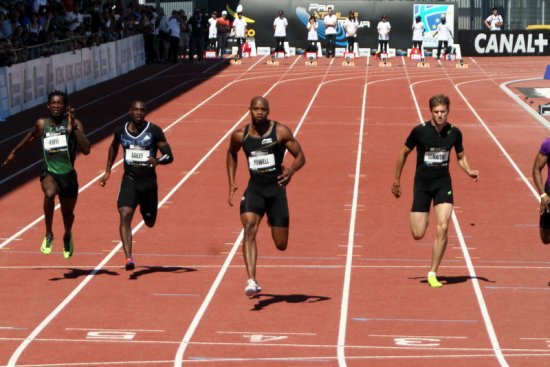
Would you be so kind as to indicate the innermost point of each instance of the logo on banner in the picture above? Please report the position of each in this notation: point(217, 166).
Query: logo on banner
point(320, 11)
point(502, 43)
point(250, 32)
point(431, 17)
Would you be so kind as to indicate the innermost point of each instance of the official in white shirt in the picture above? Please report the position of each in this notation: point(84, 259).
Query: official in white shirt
point(331, 22)
point(494, 21)
point(279, 25)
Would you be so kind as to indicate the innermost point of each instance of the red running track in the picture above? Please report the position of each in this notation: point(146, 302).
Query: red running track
point(351, 288)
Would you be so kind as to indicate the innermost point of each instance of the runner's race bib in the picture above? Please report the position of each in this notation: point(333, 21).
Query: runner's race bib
point(55, 143)
point(261, 162)
point(135, 155)
point(436, 157)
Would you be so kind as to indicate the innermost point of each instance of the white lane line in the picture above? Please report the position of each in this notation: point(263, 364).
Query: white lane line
point(419, 336)
point(102, 329)
point(530, 111)
point(15, 356)
point(264, 333)
point(495, 140)
point(342, 327)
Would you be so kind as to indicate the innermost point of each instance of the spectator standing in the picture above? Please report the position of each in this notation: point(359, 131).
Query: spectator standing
point(279, 25)
point(351, 25)
point(494, 21)
point(443, 34)
point(312, 36)
point(331, 22)
point(383, 29)
point(212, 31)
point(224, 27)
point(197, 27)
point(173, 51)
point(239, 25)
point(418, 29)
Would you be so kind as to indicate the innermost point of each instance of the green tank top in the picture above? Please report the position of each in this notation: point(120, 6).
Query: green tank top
point(58, 147)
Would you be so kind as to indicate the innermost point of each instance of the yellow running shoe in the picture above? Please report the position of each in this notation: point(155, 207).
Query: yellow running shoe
point(46, 247)
point(433, 282)
point(68, 248)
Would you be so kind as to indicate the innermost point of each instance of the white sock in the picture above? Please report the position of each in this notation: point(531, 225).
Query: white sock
point(431, 273)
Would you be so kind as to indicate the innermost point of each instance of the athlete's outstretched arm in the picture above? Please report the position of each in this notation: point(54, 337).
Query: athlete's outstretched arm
point(231, 162)
point(401, 159)
point(31, 136)
point(111, 156)
point(540, 162)
point(285, 136)
point(463, 163)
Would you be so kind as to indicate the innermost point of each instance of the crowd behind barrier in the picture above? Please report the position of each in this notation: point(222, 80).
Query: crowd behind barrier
point(25, 85)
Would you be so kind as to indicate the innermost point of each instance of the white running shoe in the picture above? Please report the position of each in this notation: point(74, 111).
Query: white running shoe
point(252, 288)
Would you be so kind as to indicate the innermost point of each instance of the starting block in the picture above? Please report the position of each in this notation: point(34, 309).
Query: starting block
point(461, 64)
point(236, 60)
point(348, 59)
point(273, 60)
point(423, 64)
point(384, 63)
point(311, 58)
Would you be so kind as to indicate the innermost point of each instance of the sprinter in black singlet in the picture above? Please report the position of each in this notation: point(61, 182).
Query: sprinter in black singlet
point(264, 142)
point(140, 140)
point(62, 136)
point(433, 141)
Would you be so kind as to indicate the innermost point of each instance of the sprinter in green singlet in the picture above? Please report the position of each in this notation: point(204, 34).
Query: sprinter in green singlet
point(62, 136)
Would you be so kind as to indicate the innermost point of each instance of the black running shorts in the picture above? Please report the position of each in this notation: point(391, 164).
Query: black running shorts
point(267, 199)
point(426, 189)
point(67, 183)
point(139, 192)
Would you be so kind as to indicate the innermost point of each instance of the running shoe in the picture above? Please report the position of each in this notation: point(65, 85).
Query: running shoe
point(433, 282)
point(252, 288)
point(68, 247)
point(46, 247)
point(129, 264)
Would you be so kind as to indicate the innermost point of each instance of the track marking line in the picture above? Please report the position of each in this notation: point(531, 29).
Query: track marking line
point(419, 336)
point(344, 306)
point(103, 329)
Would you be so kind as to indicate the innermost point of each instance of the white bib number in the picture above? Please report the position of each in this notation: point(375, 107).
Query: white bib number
point(137, 155)
point(55, 142)
point(436, 157)
point(261, 162)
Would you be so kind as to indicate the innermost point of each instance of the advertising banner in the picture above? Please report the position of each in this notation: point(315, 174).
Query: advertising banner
point(431, 16)
point(4, 96)
point(505, 43)
point(260, 15)
point(15, 83)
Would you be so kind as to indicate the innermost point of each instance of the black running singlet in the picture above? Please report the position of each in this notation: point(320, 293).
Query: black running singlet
point(265, 155)
point(433, 148)
point(59, 147)
point(138, 149)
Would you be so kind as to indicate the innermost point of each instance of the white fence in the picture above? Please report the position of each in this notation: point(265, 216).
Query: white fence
point(27, 84)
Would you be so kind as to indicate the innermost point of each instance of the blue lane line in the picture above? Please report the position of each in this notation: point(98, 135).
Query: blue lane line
point(520, 288)
point(365, 319)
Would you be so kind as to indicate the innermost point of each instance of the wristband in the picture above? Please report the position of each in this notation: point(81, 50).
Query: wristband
point(544, 195)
